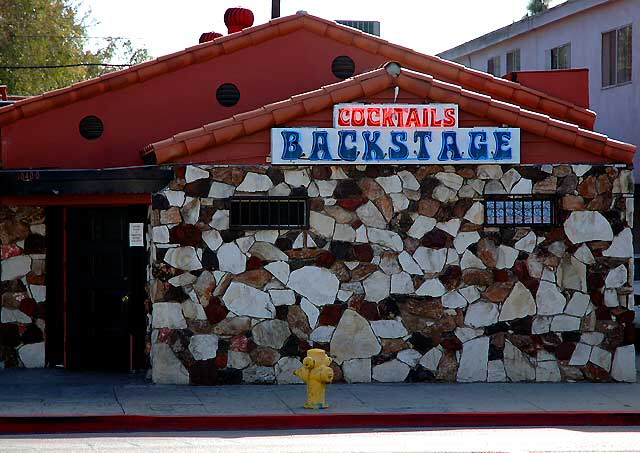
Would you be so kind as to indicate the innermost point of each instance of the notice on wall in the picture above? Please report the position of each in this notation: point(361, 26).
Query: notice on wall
point(136, 235)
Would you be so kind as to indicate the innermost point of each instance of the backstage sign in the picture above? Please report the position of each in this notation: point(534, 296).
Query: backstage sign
point(394, 134)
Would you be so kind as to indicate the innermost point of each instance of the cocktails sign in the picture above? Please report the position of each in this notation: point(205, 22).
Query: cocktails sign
point(394, 134)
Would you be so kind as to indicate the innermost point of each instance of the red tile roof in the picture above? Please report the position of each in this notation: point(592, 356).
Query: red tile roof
point(422, 85)
point(445, 70)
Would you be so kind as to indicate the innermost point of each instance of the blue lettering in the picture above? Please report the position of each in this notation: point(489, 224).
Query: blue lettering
point(503, 145)
point(398, 139)
point(478, 148)
point(372, 150)
point(320, 145)
point(292, 149)
point(423, 137)
point(449, 145)
point(345, 152)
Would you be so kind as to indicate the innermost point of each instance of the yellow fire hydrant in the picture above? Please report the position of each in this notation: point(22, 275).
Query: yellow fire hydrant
point(316, 373)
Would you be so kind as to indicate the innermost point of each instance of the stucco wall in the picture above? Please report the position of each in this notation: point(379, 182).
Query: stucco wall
point(398, 277)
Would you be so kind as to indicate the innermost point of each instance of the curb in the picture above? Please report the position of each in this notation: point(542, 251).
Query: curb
point(133, 423)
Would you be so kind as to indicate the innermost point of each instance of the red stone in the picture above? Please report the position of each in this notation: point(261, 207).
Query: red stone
point(363, 253)
point(185, 234)
point(451, 276)
point(501, 275)
point(595, 373)
point(164, 335)
point(254, 263)
point(221, 360)
point(565, 350)
point(479, 277)
point(239, 343)
point(321, 172)
point(10, 250)
point(28, 307)
point(602, 314)
point(330, 315)
point(325, 259)
point(351, 203)
point(215, 311)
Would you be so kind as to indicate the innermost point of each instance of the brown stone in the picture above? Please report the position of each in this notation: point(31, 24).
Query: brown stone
point(363, 271)
point(600, 203)
point(185, 234)
point(31, 215)
point(369, 311)
point(325, 259)
point(304, 254)
point(411, 244)
point(570, 373)
point(298, 322)
point(264, 356)
point(393, 345)
point(565, 350)
point(487, 252)
point(497, 340)
point(170, 216)
point(316, 204)
point(9, 336)
point(215, 310)
point(424, 308)
point(347, 188)
point(363, 253)
point(451, 276)
point(501, 275)
point(603, 184)
point(351, 203)
point(447, 323)
point(497, 292)
point(321, 172)
point(11, 300)
point(385, 206)
point(562, 170)
point(28, 306)
point(568, 184)
point(587, 188)
point(35, 279)
point(12, 230)
point(572, 203)
point(340, 214)
point(466, 172)
point(595, 374)
point(525, 343)
point(256, 278)
point(370, 189)
point(437, 239)
point(428, 207)
point(461, 207)
point(478, 277)
point(427, 170)
point(330, 315)
point(448, 367)
point(222, 174)
point(341, 271)
point(254, 263)
point(338, 376)
point(197, 189)
point(548, 185)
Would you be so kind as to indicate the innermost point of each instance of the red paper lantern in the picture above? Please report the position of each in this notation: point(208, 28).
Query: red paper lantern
point(209, 36)
point(237, 19)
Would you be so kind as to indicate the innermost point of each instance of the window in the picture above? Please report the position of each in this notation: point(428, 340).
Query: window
point(281, 213)
point(513, 61)
point(493, 66)
point(560, 57)
point(520, 211)
point(616, 56)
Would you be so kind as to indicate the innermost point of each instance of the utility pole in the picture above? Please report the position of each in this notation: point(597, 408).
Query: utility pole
point(275, 9)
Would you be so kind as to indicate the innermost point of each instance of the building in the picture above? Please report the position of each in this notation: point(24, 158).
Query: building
point(420, 220)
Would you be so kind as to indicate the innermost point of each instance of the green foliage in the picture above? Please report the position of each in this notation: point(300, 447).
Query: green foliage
point(53, 32)
point(537, 6)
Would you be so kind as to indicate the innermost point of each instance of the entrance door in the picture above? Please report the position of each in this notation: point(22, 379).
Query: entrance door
point(105, 289)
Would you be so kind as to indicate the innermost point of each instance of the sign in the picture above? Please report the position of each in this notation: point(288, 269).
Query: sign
point(395, 115)
point(370, 145)
point(136, 235)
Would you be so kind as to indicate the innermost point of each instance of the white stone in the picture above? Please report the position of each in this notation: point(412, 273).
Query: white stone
point(259, 375)
point(183, 279)
point(321, 224)
point(473, 363)
point(326, 188)
point(506, 257)
point(390, 184)
point(431, 287)
point(361, 234)
point(297, 178)
point(465, 334)
point(32, 355)
point(357, 370)
point(299, 242)
point(284, 370)
point(353, 338)
point(451, 180)
point(213, 239)
point(518, 366)
point(231, 259)
point(572, 274)
point(344, 232)
point(254, 182)
point(238, 360)
point(204, 347)
point(522, 187)
point(245, 300)
point(243, 243)
point(584, 226)
point(338, 173)
point(431, 359)
point(495, 371)
point(220, 190)
point(549, 299)
point(408, 356)
point(166, 368)
point(269, 236)
point(38, 292)
point(343, 295)
point(266, 252)
point(272, 333)
point(469, 260)
point(565, 323)
point(421, 226)
point(385, 238)
point(518, 304)
point(317, 284)
point(475, 214)
point(279, 270)
point(601, 357)
point(617, 277)
point(454, 299)
point(527, 243)
point(450, 226)
point(540, 325)
point(281, 190)
point(220, 220)
point(282, 297)
point(391, 371)
point(193, 310)
point(592, 338)
point(622, 245)
point(322, 334)
point(191, 211)
point(194, 173)
point(311, 311)
point(400, 202)
point(494, 188)
point(481, 314)
point(401, 283)
point(408, 264)
point(175, 197)
point(624, 364)
point(580, 355)
point(489, 171)
point(510, 178)
point(443, 194)
point(369, 214)
point(15, 267)
point(584, 255)
point(470, 293)
point(388, 328)
point(377, 286)
point(580, 169)
point(160, 234)
point(578, 305)
point(168, 314)
point(430, 260)
point(464, 240)
point(408, 180)
point(8, 315)
point(547, 372)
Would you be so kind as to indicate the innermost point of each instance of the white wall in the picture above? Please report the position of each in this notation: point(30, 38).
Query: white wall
point(618, 107)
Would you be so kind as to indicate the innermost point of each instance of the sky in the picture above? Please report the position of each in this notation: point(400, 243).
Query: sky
point(428, 26)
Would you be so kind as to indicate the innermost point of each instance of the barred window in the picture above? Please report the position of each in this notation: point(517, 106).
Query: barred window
point(521, 211)
point(281, 213)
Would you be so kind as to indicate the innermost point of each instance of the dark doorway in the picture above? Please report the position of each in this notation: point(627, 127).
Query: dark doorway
point(105, 281)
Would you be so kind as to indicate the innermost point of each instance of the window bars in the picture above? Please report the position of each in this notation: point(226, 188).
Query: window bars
point(270, 213)
point(523, 210)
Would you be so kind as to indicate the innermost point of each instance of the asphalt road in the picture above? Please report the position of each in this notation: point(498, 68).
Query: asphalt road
point(583, 440)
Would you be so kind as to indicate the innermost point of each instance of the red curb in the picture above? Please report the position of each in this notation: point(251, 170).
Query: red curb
point(131, 423)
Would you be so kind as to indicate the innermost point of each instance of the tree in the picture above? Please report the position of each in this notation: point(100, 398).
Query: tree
point(537, 6)
point(53, 33)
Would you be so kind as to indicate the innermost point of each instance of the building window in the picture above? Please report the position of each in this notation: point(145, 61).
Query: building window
point(616, 56)
point(513, 61)
point(493, 66)
point(520, 211)
point(560, 57)
point(272, 213)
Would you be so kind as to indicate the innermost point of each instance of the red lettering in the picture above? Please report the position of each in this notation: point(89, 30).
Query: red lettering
point(400, 113)
point(387, 118)
point(425, 118)
point(371, 120)
point(344, 116)
point(357, 117)
point(435, 122)
point(413, 120)
point(449, 117)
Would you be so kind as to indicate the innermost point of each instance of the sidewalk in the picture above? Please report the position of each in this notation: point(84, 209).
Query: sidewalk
point(57, 393)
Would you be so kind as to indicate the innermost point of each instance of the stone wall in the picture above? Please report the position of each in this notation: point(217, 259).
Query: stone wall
point(398, 277)
point(22, 287)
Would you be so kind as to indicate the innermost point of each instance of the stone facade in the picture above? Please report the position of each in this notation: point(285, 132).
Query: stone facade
point(398, 277)
point(22, 287)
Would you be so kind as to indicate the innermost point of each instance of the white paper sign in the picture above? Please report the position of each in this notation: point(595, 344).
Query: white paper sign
point(136, 235)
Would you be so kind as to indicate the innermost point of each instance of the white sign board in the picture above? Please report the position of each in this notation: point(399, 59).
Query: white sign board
point(136, 235)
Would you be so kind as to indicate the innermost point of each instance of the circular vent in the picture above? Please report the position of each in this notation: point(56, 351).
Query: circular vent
point(343, 67)
point(228, 94)
point(91, 127)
